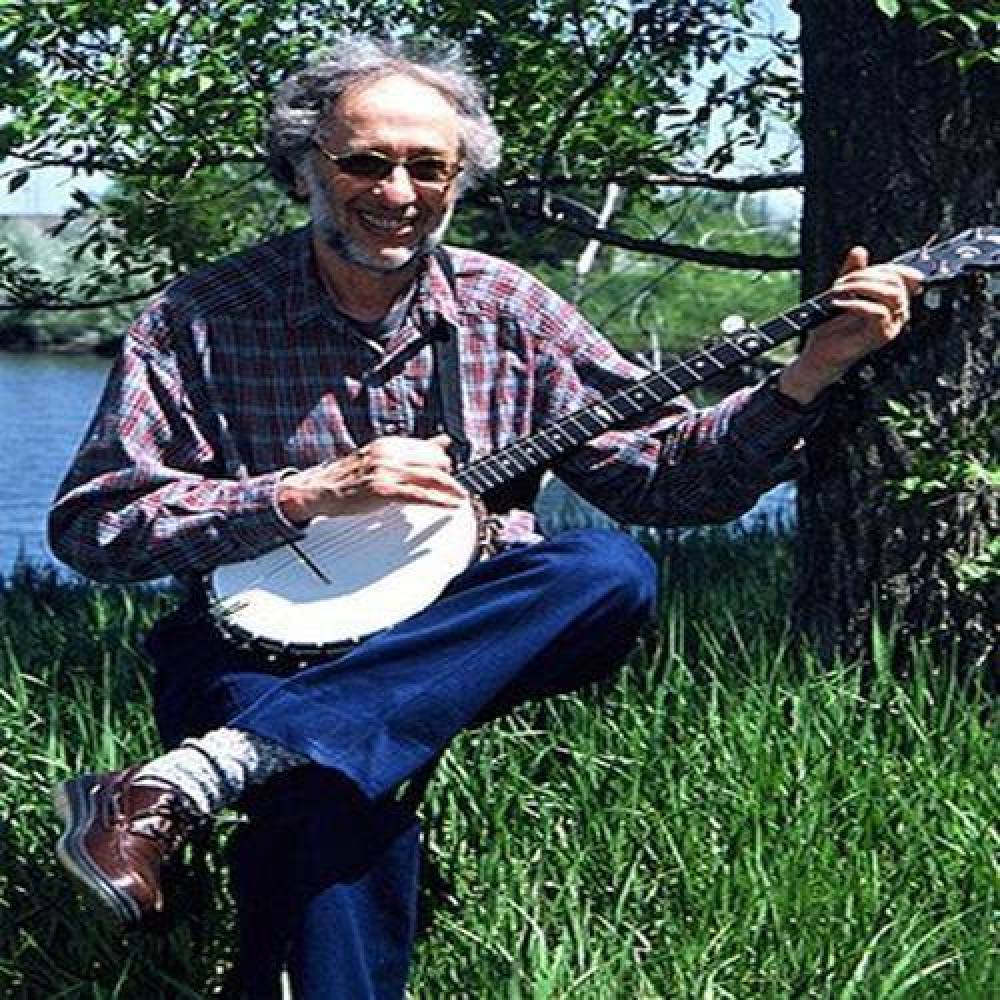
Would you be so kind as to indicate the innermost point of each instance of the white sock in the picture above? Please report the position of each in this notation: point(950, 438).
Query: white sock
point(214, 770)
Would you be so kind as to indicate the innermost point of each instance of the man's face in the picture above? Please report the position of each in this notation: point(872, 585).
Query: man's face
point(383, 225)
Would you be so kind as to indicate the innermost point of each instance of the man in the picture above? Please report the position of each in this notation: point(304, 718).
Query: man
point(297, 380)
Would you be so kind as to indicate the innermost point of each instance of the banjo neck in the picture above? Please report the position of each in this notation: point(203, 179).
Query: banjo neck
point(974, 251)
point(537, 451)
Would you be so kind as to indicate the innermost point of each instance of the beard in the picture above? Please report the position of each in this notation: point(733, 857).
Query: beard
point(334, 236)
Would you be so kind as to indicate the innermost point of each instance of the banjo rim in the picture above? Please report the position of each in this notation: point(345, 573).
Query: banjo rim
point(480, 545)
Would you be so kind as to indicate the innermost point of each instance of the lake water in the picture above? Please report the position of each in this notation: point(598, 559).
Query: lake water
point(46, 402)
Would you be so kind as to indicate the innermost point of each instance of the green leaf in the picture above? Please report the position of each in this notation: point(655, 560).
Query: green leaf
point(82, 198)
point(888, 7)
point(18, 180)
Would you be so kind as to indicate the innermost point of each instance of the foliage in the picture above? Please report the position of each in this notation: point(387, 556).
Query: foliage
point(640, 300)
point(36, 264)
point(937, 469)
point(942, 466)
point(169, 98)
point(722, 820)
point(637, 299)
point(969, 31)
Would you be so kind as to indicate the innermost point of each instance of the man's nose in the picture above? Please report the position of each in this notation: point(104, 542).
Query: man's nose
point(397, 188)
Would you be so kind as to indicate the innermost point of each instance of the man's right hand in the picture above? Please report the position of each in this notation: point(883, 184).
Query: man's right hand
point(405, 470)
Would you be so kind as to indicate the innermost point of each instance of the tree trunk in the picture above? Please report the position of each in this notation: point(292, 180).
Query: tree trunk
point(898, 147)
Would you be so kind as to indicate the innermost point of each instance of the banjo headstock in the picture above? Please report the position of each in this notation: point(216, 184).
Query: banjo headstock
point(970, 252)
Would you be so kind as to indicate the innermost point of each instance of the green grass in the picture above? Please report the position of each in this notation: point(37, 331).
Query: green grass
point(726, 820)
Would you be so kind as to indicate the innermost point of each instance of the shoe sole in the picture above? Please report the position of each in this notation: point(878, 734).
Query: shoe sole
point(74, 804)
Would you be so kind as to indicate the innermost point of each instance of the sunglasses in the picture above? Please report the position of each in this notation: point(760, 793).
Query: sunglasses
point(372, 166)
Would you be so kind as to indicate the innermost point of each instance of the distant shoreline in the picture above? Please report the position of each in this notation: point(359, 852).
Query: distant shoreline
point(89, 344)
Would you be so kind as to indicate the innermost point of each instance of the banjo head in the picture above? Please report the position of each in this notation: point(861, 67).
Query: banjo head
point(347, 579)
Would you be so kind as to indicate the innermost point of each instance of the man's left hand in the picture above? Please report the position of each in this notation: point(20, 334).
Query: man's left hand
point(875, 304)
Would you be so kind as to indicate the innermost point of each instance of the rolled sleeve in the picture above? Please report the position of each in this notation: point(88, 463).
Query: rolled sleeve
point(148, 494)
point(685, 465)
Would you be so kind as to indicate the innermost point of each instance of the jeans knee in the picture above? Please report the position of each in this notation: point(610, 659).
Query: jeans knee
point(614, 561)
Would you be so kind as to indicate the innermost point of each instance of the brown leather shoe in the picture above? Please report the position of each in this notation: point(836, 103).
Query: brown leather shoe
point(118, 835)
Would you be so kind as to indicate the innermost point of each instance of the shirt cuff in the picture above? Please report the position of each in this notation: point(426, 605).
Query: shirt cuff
point(769, 430)
point(818, 405)
point(261, 525)
point(298, 529)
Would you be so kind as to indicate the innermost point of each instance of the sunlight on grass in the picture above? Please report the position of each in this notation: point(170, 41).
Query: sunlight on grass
point(726, 819)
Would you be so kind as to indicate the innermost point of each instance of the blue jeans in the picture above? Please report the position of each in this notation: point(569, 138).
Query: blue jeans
point(325, 874)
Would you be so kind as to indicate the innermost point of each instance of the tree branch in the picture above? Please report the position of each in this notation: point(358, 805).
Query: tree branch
point(49, 305)
point(601, 77)
point(733, 259)
point(679, 178)
point(93, 164)
point(630, 179)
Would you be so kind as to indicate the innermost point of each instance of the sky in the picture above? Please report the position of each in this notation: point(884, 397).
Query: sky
point(48, 192)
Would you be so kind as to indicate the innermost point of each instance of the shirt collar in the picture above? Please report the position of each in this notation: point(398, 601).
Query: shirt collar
point(306, 297)
point(306, 300)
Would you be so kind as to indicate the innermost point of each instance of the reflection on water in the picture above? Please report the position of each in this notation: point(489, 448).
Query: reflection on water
point(46, 402)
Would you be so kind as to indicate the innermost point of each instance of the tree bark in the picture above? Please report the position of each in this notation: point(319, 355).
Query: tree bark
point(899, 146)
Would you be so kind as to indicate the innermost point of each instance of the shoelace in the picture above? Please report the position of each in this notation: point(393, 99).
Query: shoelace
point(173, 821)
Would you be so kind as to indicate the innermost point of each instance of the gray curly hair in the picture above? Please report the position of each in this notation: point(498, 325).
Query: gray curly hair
point(304, 99)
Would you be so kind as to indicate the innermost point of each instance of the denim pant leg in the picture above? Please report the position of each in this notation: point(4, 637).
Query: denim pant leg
point(526, 623)
point(325, 884)
point(324, 879)
point(528, 620)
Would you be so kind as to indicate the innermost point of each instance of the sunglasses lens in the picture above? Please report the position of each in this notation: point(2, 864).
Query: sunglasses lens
point(368, 165)
point(373, 166)
point(429, 169)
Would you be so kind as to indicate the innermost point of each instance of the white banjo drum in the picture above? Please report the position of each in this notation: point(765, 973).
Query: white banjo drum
point(354, 576)
point(349, 577)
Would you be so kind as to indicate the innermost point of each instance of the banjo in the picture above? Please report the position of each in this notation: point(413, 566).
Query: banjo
point(353, 576)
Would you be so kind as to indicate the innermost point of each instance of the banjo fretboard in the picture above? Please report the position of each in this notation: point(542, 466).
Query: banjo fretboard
point(539, 450)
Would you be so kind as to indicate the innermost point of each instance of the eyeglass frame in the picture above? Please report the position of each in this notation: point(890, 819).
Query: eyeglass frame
point(391, 164)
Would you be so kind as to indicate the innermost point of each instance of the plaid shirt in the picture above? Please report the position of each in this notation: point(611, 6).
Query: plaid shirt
point(243, 370)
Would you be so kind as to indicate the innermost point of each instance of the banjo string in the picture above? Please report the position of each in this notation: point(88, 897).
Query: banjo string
point(293, 557)
point(337, 544)
point(350, 538)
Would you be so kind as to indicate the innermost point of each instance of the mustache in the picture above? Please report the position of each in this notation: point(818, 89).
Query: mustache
point(334, 238)
point(334, 235)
